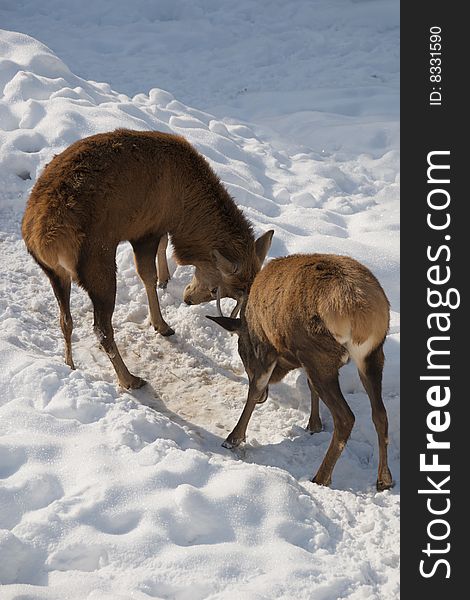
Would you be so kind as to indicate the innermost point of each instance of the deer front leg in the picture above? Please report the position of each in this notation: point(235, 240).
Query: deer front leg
point(257, 393)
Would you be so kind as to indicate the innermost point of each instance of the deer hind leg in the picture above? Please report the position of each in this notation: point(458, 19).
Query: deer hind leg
point(98, 277)
point(162, 263)
point(314, 422)
point(61, 284)
point(370, 372)
point(145, 251)
point(326, 381)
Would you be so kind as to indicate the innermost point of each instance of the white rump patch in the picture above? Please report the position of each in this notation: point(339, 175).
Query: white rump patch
point(359, 352)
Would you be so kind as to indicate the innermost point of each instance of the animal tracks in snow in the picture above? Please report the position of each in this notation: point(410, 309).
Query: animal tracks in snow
point(118, 523)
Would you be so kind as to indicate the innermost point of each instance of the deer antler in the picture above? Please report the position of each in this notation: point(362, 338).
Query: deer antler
point(236, 309)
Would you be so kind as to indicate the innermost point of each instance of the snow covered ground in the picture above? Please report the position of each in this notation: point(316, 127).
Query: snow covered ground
point(107, 495)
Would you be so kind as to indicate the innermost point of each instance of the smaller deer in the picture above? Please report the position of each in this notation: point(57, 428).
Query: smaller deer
point(315, 311)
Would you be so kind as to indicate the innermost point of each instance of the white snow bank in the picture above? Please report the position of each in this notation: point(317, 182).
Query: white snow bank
point(116, 495)
point(341, 55)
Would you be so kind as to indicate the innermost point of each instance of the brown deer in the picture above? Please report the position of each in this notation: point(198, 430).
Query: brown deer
point(315, 311)
point(137, 186)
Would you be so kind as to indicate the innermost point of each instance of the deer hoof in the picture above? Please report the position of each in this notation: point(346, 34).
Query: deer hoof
point(165, 332)
point(314, 428)
point(321, 481)
point(230, 444)
point(162, 284)
point(384, 484)
point(134, 383)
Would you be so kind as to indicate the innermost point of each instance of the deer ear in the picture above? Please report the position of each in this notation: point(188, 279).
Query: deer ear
point(227, 323)
point(225, 266)
point(262, 245)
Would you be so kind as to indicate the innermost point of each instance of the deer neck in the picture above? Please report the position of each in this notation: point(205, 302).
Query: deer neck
point(211, 220)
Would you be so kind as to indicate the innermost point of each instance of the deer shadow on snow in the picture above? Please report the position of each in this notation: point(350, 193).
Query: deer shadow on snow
point(299, 452)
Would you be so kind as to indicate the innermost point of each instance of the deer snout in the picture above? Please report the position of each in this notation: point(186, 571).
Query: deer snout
point(192, 295)
point(188, 294)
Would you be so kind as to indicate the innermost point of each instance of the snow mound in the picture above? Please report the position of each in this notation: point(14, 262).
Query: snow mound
point(116, 495)
point(20, 562)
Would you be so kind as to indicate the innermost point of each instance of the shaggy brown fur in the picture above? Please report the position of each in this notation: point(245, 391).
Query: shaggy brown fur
point(315, 311)
point(330, 293)
point(136, 186)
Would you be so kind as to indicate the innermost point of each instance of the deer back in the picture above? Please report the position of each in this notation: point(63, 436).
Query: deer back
point(317, 294)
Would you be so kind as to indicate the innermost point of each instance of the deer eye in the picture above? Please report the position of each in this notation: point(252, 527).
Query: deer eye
point(214, 291)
